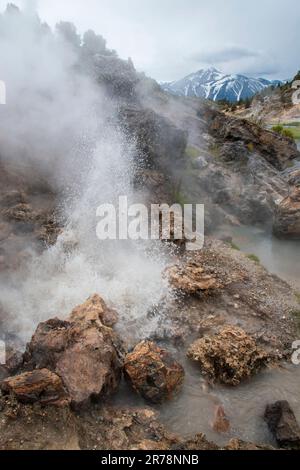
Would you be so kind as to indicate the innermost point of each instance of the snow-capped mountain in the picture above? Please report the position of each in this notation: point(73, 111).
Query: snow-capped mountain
point(214, 85)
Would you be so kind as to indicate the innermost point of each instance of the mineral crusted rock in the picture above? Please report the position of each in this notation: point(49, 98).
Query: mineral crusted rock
point(153, 373)
point(229, 356)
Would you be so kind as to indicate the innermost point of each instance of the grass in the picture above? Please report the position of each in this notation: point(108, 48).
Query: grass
point(254, 258)
point(294, 131)
point(234, 246)
point(291, 130)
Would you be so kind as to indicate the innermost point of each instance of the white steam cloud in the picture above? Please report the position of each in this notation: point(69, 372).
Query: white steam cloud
point(59, 122)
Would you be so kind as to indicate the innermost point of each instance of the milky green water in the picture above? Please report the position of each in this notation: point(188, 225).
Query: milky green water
point(280, 257)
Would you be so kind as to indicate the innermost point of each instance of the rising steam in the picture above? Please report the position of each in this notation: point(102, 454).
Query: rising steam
point(60, 122)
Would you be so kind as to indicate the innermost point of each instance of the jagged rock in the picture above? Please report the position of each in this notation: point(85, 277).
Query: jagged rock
point(94, 309)
point(221, 423)
point(229, 357)
point(199, 442)
point(283, 425)
point(235, 152)
point(20, 213)
point(118, 76)
point(191, 279)
point(276, 149)
point(287, 216)
point(152, 372)
point(160, 142)
point(84, 352)
point(39, 385)
point(238, 445)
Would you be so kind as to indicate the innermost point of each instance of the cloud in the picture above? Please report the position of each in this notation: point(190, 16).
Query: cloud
point(171, 38)
point(226, 54)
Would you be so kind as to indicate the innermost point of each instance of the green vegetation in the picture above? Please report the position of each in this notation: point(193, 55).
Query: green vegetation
point(250, 147)
point(180, 198)
point(254, 258)
point(280, 129)
point(192, 152)
point(215, 150)
point(234, 246)
point(294, 131)
point(288, 130)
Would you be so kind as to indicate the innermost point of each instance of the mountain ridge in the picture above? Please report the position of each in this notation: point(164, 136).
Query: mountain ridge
point(216, 86)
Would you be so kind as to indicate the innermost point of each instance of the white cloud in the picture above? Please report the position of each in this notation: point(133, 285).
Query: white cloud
point(171, 38)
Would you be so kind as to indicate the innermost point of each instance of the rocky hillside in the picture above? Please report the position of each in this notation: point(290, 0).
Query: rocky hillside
point(273, 105)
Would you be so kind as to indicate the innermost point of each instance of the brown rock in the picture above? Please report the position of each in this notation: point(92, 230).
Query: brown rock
point(229, 357)
point(40, 385)
point(276, 149)
point(237, 445)
point(191, 279)
point(85, 353)
point(283, 425)
point(221, 423)
point(95, 309)
point(20, 213)
point(152, 372)
point(287, 216)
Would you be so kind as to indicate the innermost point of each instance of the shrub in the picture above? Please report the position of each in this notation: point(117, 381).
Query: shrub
point(254, 258)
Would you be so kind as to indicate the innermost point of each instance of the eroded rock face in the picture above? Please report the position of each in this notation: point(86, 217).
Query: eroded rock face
point(152, 372)
point(191, 279)
point(283, 425)
point(84, 352)
point(160, 142)
point(228, 357)
point(276, 149)
point(40, 385)
point(287, 216)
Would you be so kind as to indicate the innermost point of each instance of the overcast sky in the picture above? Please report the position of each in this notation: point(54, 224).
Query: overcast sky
point(169, 39)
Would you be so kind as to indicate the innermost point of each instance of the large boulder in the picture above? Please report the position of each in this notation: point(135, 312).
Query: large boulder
point(229, 356)
point(152, 372)
point(83, 351)
point(283, 425)
point(287, 216)
point(191, 278)
point(39, 385)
